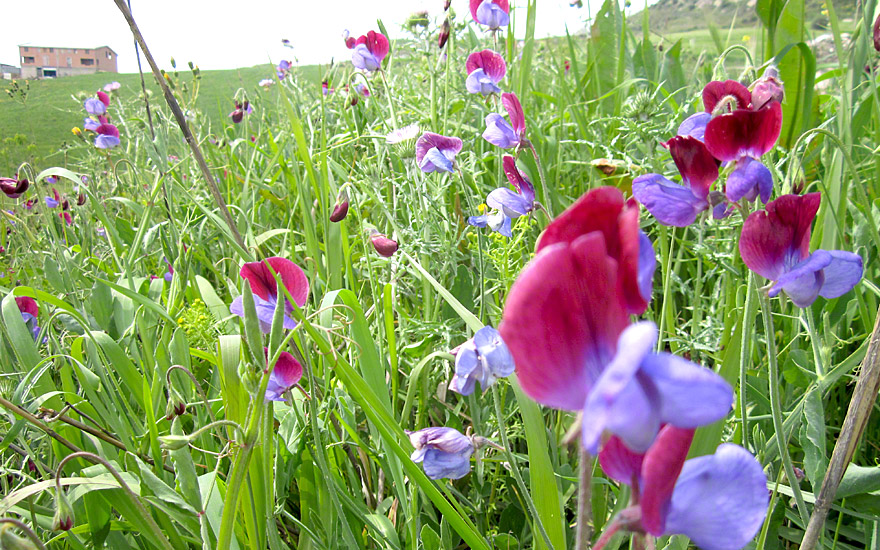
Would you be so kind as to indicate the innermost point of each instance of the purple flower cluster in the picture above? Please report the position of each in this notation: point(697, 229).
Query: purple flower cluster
point(98, 121)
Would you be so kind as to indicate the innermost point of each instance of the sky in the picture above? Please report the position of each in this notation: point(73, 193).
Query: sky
point(223, 34)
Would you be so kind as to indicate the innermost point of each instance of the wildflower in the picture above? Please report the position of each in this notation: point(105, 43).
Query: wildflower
point(285, 375)
point(112, 86)
point(169, 273)
point(108, 136)
point(743, 136)
point(719, 501)
point(767, 88)
point(674, 204)
point(92, 125)
point(76, 131)
point(97, 105)
point(436, 153)
point(567, 67)
point(484, 358)
point(369, 51)
point(29, 311)
point(505, 203)
point(349, 40)
point(286, 43)
point(485, 70)
point(877, 33)
point(501, 133)
point(718, 97)
point(283, 68)
point(362, 89)
point(492, 13)
point(326, 89)
point(14, 187)
point(443, 37)
point(241, 109)
point(402, 134)
point(340, 209)
point(383, 245)
point(267, 83)
point(54, 200)
point(443, 452)
point(262, 281)
point(775, 244)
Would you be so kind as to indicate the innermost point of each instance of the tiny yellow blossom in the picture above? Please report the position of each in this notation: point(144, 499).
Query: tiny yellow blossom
point(76, 131)
point(482, 208)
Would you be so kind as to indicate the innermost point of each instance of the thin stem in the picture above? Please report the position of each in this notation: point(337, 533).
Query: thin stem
point(810, 324)
point(526, 495)
point(745, 355)
point(390, 99)
point(546, 206)
point(23, 527)
point(585, 506)
point(776, 408)
point(160, 538)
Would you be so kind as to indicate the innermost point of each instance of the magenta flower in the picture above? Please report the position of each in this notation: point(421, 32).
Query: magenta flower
point(262, 281)
point(241, 109)
point(384, 246)
point(492, 13)
point(285, 375)
point(501, 133)
point(719, 501)
point(369, 51)
point(775, 244)
point(443, 452)
point(349, 40)
point(505, 203)
point(283, 68)
point(14, 187)
point(108, 136)
point(719, 97)
point(742, 137)
point(484, 359)
point(29, 311)
point(485, 70)
point(436, 153)
point(674, 204)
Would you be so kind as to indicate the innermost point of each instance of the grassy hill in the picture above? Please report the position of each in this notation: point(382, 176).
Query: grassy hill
point(39, 128)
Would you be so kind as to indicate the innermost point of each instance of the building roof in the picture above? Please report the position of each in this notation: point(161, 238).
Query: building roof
point(31, 45)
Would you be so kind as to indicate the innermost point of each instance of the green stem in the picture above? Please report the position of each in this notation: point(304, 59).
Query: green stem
point(745, 355)
point(514, 468)
point(776, 408)
point(390, 100)
point(814, 342)
point(585, 506)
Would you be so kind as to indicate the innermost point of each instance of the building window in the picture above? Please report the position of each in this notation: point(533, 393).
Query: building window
point(109, 55)
point(28, 60)
point(25, 48)
point(88, 51)
point(51, 50)
point(45, 60)
point(86, 62)
point(69, 62)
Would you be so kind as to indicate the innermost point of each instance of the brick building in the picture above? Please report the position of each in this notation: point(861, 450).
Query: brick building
point(39, 61)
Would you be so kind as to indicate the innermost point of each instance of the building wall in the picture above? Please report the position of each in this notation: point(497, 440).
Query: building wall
point(66, 61)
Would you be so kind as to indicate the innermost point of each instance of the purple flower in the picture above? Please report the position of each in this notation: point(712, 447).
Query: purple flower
point(674, 204)
point(485, 70)
point(95, 106)
point(262, 281)
point(443, 452)
point(384, 246)
point(90, 124)
point(108, 136)
point(492, 13)
point(285, 375)
point(742, 137)
point(501, 133)
point(719, 501)
point(484, 358)
point(169, 273)
point(775, 244)
point(436, 153)
point(369, 51)
point(13, 187)
point(29, 311)
point(241, 109)
point(282, 69)
point(505, 203)
point(54, 200)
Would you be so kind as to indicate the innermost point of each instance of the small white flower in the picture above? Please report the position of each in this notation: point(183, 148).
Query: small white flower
point(403, 134)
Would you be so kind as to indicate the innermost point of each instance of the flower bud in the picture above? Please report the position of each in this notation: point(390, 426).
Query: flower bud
point(340, 210)
point(81, 199)
point(63, 520)
point(767, 88)
point(444, 34)
point(14, 188)
point(383, 245)
point(446, 5)
point(173, 442)
point(176, 405)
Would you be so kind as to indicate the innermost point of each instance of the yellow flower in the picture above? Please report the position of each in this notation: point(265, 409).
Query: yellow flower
point(482, 208)
point(76, 131)
point(747, 38)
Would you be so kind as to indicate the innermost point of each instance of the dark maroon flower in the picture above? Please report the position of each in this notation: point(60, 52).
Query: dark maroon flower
point(340, 210)
point(14, 188)
point(383, 245)
point(877, 33)
point(444, 34)
point(730, 94)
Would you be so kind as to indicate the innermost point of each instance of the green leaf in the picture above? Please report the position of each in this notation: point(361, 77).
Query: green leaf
point(813, 438)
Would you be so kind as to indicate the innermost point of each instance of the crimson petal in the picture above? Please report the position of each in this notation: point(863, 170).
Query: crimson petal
point(660, 468)
point(697, 166)
point(515, 112)
point(744, 133)
point(775, 239)
point(716, 90)
point(263, 282)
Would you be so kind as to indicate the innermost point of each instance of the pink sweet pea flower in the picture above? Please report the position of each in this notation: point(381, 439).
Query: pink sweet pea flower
point(285, 375)
point(501, 133)
point(485, 70)
point(436, 153)
point(108, 136)
point(369, 51)
point(262, 281)
point(492, 13)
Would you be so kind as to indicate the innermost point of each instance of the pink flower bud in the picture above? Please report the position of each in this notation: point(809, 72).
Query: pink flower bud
point(340, 211)
point(383, 245)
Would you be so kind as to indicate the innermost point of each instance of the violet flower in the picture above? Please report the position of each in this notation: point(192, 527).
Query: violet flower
point(241, 109)
point(775, 244)
point(14, 187)
point(436, 153)
point(29, 311)
point(505, 203)
point(285, 375)
point(484, 358)
point(91, 125)
point(369, 51)
point(262, 281)
point(485, 70)
point(443, 452)
point(719, 501)
point(492, 13)
point(282, 69)
point(96, 105)
point(108, 136)
point(54, 200)
point(501, 133)
point(674, 204)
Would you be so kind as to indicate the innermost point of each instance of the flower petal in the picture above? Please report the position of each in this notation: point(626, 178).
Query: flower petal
point(263, 284)
point(513, 204)
point(670, 203)
point(774, 239)
point(748, 180)
point(690, 395)
point(516, 178)
point(697, 166)
point(479, 83)
point(515, 112)
point(720, 501)
point(449, 146)
point(695, 126)
point(493, 64)
point(378, 45)
point(618, 462)
point(439, 464)
point(28, 305)
point(647, 266)
point(499, 132)
point(660, 469)
point(842, 274)
point(716, 90)
point(494, 353)
point(562, 320)
point(744, 133)
point(435, 161)
point(468, 369)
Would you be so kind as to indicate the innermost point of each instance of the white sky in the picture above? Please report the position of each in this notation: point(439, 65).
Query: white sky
point(224, 34)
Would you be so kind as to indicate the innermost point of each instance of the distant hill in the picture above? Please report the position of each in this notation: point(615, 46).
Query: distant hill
point(676, 16)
